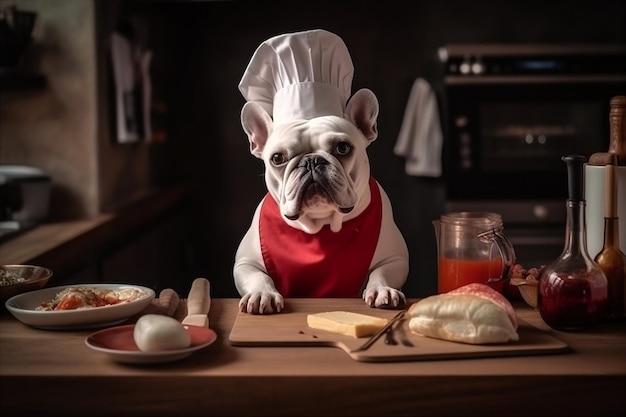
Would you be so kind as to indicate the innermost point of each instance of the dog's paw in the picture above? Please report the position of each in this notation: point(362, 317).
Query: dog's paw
point(262, 302)
point(383, 297)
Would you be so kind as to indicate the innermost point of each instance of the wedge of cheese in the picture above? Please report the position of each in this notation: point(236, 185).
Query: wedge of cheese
point(347, 323)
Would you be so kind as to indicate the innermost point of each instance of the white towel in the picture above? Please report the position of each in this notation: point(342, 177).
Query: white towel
point(420, 139)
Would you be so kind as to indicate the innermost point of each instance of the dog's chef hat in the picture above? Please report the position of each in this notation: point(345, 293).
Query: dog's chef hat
point(300, 75)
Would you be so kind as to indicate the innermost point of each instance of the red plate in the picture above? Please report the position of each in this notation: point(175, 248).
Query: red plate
point(119, 343)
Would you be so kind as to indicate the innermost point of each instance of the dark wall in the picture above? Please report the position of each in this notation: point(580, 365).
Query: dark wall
point(391, 43)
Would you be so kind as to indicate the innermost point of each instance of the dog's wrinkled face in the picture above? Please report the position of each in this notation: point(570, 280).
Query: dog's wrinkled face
point(317, 170)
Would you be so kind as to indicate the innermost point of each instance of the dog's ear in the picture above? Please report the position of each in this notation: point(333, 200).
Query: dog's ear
point(362, 110)
point(257, 124)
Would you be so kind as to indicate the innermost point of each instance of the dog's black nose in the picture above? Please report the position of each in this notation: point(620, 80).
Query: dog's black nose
point(314, 162)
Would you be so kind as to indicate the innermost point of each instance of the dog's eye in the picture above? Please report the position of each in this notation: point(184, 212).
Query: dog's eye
point(278, 159)
point(343, 148)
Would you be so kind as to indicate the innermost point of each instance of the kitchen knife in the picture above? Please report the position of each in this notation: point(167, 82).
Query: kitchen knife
point(198, 303)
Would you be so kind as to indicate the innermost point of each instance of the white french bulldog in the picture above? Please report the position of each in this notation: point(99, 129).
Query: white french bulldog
point(318, 175)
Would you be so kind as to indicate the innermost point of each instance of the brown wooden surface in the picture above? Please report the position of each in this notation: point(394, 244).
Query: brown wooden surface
point(54, 373)
point(290, 329)
point(48, 237)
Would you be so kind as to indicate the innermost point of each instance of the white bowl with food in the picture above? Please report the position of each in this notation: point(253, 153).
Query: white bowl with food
point(80, 305)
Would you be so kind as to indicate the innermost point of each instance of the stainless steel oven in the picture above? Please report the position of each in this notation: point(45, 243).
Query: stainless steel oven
point(511, 111)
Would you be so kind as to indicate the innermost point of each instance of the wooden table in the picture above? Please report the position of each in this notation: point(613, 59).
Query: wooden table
point(54, 373)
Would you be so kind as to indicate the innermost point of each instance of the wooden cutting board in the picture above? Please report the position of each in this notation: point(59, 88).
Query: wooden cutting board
point(289, 328)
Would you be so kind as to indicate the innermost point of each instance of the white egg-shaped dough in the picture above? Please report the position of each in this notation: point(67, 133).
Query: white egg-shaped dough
point(155, 332)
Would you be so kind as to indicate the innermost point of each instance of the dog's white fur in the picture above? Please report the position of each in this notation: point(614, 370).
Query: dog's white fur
point(349, 196)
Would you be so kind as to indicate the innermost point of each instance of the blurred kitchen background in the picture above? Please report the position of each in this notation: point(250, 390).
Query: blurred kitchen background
point(59, 107)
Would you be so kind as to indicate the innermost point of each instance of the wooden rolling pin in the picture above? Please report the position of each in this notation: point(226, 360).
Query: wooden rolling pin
point(166, 304)
point(610, 189)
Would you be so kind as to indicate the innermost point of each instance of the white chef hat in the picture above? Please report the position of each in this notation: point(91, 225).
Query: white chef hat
point(300, 75)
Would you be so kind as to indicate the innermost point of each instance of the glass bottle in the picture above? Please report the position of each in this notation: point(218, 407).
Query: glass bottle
point(612, 261)
point(610, 258)
point(572, 291)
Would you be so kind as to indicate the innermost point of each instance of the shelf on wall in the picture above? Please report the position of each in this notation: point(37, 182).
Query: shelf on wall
point(19, 80)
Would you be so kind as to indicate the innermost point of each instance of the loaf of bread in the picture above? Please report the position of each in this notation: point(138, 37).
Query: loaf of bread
point(488, 293)
point(474, 314)
point(347, 323)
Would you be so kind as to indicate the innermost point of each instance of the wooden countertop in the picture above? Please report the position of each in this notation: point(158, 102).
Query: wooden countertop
point(53, 372)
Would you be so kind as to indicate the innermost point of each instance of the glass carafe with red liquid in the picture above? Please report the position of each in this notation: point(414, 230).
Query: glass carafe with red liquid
point(472, 248)
point(572, 291)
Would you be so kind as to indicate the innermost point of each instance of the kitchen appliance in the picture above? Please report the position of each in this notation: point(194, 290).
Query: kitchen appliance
point(24, 198)
point(511, 111)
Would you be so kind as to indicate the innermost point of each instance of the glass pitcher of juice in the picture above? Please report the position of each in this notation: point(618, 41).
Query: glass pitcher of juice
point(472, 248)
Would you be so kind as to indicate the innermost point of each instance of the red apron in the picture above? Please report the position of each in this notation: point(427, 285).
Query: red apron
point(325, 264)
